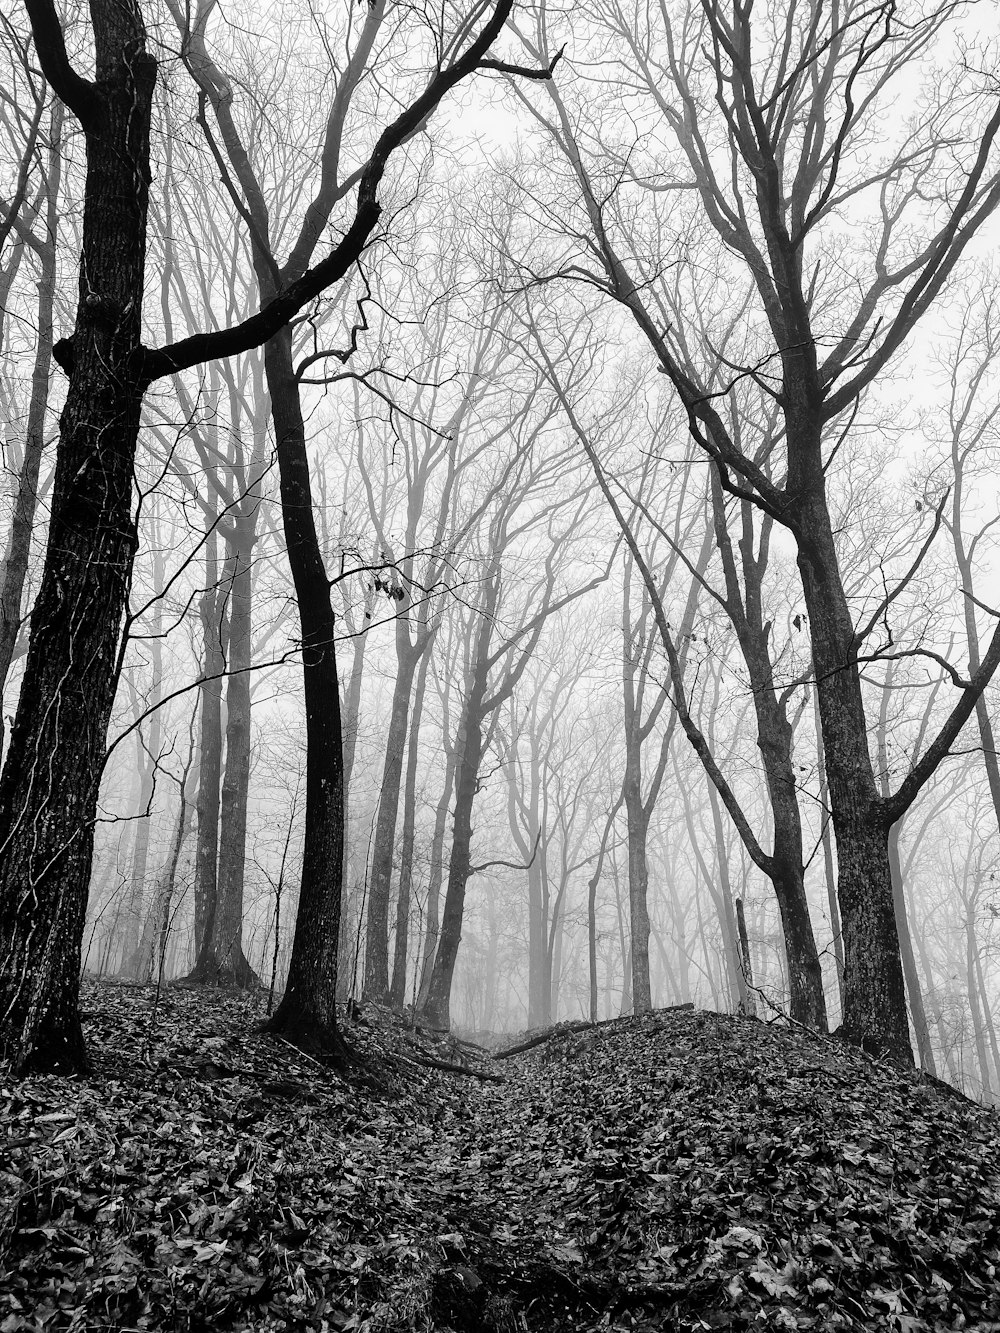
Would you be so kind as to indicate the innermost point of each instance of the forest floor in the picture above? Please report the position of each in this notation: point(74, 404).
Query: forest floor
point(681, 1171)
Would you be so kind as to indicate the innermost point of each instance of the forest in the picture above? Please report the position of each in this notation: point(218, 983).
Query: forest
point(498, 594)
point(505, 525)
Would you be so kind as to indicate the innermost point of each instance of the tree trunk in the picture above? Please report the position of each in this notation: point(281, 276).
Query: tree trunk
point(436, 1008)
point(397, 990)
point(637, 817)
point(47, 809)
point(910, 975)
point(209, 750)
point(979, 1033)
point(376, 979)
point(435, 876)
point(775, 739)
point(875, 1015)
point(307, 1013)
point(222, 961)
point(829, 869)
point(15, 563)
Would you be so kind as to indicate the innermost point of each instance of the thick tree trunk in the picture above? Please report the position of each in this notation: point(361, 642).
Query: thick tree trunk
point(307, 1013)
point(775, 739)
point(874, 994)
point(49, 787)
point(376, 979)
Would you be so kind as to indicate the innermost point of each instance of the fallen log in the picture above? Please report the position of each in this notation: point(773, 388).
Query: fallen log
point(429, 1062)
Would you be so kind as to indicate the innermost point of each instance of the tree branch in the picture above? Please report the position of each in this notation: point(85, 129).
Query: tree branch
point(79, 94)
point(276, 314)
point(894, 807)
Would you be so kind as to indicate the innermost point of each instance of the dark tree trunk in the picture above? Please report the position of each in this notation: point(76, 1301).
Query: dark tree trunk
point(376, 979)
point(874, 994)
point(307, 1013)
point(786, 869)
point(49, 786)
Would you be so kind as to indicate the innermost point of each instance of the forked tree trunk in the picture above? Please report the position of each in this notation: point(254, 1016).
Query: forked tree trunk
point(47, 809)
point(874, 993)
point(222, 961)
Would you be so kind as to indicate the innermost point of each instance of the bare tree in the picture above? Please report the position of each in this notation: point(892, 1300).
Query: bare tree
point(762, 123)
point(49, 785)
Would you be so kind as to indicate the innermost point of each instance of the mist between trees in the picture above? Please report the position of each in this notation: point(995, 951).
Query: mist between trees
point(536, 574)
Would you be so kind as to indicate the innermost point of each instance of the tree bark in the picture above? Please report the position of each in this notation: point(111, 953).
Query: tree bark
point(874, 994)
point(49, 786)
point(307, 1013)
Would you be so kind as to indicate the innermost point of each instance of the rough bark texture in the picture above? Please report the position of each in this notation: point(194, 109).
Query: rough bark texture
point(786, 866)
point(49, 786)
point(307, 1013)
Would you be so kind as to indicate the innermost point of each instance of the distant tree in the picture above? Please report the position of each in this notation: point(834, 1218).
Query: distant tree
point(495, 660)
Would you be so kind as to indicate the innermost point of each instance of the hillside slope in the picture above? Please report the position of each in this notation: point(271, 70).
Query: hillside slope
point(682, 1171)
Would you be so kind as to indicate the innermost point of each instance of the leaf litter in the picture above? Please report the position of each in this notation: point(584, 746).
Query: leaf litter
point(682, 1170)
